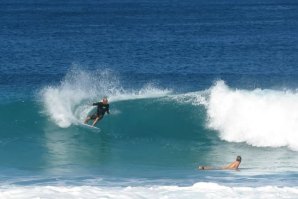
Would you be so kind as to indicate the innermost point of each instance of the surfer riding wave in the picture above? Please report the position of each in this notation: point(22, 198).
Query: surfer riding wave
point(102, 108)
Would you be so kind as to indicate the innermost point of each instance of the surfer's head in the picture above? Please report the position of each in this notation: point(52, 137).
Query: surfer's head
point(238, 158)
point(105, 100)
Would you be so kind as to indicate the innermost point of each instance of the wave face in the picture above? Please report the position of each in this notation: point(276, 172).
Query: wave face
point(260, 117)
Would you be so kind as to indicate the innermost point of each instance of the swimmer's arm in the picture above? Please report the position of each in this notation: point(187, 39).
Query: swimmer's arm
point(233, 165)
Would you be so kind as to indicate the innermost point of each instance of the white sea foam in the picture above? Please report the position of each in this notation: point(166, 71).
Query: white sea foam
point(259, 117)
point(263, 118)
point(198, 190)
point(69, 102)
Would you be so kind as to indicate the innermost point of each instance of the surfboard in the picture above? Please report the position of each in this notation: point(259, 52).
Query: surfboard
point(94, 128)
point(207, 168)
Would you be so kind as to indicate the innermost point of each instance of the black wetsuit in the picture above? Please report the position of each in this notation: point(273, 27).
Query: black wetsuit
point(101, 109)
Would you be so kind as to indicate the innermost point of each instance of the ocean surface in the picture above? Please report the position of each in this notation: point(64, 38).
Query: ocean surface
point(190, 83)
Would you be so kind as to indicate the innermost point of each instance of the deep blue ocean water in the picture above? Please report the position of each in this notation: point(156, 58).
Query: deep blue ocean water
point(189, 82)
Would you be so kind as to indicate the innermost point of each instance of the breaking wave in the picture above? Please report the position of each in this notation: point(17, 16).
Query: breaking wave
point(69, 102)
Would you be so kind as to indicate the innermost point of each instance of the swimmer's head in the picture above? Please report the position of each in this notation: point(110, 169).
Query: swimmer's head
point(238, 158)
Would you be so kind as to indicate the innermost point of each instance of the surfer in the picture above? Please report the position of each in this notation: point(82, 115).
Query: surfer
point(102, 108)
point(232, 166)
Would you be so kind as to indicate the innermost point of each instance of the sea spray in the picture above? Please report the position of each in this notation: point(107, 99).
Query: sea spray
point(69, 102)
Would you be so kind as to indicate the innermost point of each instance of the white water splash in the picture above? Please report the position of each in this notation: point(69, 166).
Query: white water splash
point(263, 118)
point(260, 117)
point(69, 102)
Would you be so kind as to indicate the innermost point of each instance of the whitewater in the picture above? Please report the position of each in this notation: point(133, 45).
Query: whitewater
point(202, 190)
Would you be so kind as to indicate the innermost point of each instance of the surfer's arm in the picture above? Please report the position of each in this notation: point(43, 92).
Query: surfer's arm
point(227, 166)
point(95, 104)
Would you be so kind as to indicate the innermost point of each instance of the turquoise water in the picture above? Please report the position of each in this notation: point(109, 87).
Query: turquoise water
point(189, 83)
point(151, 133)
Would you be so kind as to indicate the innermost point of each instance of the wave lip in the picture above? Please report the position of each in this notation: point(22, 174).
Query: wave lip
point(262, 118)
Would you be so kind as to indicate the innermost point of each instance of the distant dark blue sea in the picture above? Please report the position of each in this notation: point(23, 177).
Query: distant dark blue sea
point(189, 83)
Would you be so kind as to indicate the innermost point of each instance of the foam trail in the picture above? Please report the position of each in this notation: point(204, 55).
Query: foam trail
point(263, 118)
point(69, 103)
point(198, 190)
